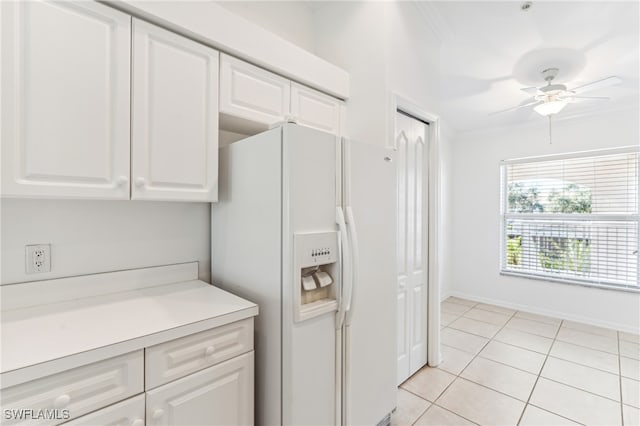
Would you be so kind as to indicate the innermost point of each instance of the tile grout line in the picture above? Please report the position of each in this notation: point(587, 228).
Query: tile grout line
point(622, 420)
point(536, 335)
point(457, 376)
point(419, 396)
point(556, 414)
point(433, 402)
point(540, 373)
point(547, 355)
point(580, 389)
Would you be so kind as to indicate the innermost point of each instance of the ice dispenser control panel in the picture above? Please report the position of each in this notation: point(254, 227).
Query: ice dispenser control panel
point(317, 249)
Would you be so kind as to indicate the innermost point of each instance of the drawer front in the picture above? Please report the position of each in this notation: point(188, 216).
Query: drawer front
point(70, 394)
point(221, 395)
point(170, 361)
point(252, 93)
point(129, 412)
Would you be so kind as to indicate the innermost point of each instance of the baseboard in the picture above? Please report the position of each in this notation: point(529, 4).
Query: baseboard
point(547, 312)
point(445, 296)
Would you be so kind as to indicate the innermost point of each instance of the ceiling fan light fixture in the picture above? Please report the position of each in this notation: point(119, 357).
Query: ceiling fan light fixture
point(550, 107)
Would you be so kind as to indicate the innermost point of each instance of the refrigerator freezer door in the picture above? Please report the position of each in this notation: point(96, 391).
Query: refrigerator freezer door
point(308, 346)
point(246, 242)
point(369, 392)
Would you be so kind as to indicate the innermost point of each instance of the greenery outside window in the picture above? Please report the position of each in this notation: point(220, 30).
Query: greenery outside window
point(572, 218)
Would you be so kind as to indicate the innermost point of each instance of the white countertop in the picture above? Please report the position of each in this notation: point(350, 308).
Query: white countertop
point(44, 339)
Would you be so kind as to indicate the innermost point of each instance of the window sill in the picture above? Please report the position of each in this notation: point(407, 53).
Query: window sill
point(569, 281)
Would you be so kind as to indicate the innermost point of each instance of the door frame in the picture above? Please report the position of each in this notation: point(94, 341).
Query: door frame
point(434, 222)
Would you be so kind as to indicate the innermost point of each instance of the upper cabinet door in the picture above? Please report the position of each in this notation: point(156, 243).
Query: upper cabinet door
point(252, 93)
point(175, 117)
point(65, 100)
point(314, 109)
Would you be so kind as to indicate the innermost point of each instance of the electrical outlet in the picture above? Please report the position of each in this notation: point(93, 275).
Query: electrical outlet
point(38, 258)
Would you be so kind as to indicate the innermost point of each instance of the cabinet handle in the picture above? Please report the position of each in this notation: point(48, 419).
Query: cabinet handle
point(62, 401)
point(209, 351)
point(122, 180)
point(157, 414)
point(140, 181)
point(137, 422)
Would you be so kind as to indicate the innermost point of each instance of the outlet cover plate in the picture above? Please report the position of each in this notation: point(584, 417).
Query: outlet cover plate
point(38, 258)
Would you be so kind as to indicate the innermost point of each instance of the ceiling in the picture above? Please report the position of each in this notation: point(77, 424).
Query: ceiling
point(492, 49)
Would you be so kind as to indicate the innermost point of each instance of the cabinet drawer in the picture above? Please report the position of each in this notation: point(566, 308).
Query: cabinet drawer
point(252, 93)
point(221, 395)
point(80, 391)
point(129, 412)
point(169, 361)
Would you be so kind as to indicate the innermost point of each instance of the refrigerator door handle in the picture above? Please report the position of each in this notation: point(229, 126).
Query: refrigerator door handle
point(345, 287)
point(355, 255)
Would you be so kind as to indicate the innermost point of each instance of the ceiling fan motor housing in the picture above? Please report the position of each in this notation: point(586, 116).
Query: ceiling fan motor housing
point(553, 89)
point(549, 74)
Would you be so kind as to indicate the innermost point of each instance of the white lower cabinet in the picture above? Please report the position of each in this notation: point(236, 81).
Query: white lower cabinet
point(129, 412)
point(73, 393)
point(201, 379)
point(221, 395)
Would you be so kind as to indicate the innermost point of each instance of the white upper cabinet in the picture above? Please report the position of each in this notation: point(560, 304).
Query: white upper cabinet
point(65, 100)
point(314, 109)
point(252, 98)
point(175, 117)
point(252, 93)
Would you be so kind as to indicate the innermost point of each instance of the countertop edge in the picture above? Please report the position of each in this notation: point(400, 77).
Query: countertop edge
point(23, 374)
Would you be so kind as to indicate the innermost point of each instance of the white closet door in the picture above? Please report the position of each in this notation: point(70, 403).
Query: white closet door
point(175, 117)
point(411, 143)
point(65, 100)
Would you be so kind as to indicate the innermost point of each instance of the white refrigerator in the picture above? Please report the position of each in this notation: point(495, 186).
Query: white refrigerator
point(305, 226)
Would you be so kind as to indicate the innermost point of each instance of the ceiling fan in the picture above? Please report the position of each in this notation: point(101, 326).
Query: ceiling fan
point(552, 98)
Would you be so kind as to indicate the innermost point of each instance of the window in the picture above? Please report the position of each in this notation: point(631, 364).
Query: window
point(572, 218)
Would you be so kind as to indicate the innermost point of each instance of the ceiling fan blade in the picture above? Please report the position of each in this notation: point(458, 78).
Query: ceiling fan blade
point(516, 107)
point(598, 84)
point(531, 90)
point(586, 98)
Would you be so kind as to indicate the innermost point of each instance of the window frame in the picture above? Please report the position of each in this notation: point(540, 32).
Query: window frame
point(505, 216)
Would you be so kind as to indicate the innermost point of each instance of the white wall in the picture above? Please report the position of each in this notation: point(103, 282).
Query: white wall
point(88, 237)
point(476, 218)
point(388, 49)
point(447, 263)
point(353, 36)
point(291, 20)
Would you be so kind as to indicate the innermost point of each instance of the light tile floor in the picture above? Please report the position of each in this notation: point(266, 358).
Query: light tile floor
point(507, 367)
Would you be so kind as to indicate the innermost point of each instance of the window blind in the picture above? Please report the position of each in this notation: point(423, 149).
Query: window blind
point(572, 218)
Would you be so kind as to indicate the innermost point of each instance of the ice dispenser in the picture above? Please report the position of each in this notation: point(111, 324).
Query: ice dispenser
point(316, 274)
